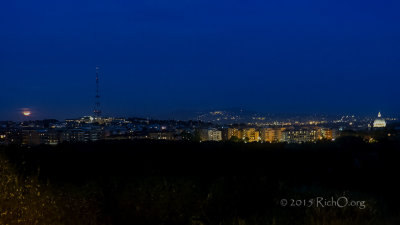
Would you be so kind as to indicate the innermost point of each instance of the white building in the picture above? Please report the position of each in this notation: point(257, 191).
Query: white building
point(210, 135)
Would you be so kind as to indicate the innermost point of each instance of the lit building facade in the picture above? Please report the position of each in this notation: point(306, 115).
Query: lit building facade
point(327, 134)
point(271, 134)
point(210, 135)
point(228, 133)
point(301, 135)
point(250, 134)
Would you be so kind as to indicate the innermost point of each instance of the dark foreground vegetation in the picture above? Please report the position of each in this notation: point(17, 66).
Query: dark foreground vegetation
point(157, 182)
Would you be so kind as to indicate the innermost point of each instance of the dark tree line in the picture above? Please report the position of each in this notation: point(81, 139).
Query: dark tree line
point(183, 182)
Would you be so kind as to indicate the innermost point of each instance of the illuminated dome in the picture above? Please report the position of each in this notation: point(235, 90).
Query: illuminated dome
point(379, 122)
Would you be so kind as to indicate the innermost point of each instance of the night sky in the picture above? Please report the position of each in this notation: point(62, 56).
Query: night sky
point(335, 56)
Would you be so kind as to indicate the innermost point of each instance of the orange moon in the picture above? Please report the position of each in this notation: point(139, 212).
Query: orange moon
point(26, 113)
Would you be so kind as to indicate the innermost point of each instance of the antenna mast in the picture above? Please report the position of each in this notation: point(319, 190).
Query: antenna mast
point(97, 111)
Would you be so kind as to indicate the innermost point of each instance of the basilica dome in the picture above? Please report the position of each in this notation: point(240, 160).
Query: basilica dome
point(379, 122)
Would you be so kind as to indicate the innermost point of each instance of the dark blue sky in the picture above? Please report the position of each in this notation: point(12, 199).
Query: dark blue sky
point(159, 56)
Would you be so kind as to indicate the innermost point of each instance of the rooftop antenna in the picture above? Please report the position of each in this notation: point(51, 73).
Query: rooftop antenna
point(97, 111)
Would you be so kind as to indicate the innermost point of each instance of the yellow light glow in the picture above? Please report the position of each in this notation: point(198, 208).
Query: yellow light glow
point(26, 113)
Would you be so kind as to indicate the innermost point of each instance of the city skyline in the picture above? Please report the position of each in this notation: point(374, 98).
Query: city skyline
point(221, 117)
point(156, 58)
point(243, 127)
